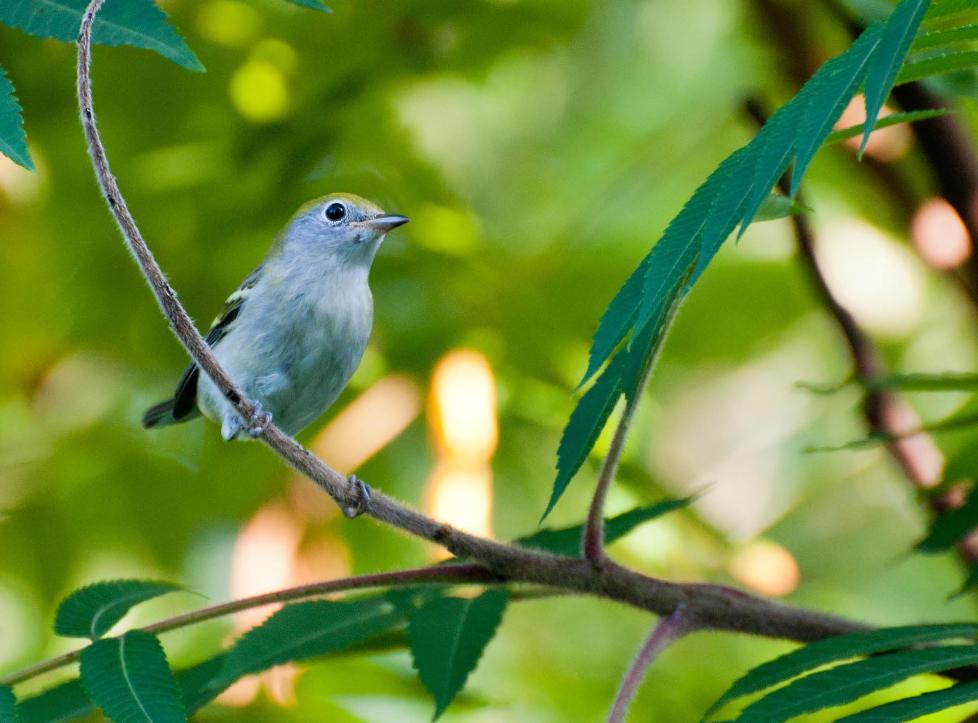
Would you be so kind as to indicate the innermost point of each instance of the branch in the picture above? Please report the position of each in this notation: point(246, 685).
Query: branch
point(667, 631)
point(711, 606)
point(593, 541)
point(416, 576)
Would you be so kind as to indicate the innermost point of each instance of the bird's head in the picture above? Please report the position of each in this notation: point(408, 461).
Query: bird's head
point(346, 227)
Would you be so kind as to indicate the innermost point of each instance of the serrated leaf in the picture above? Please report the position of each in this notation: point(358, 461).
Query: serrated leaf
point(616, 320)
point(567, 540)
point(138, 23)
point(946, 36)
point(65, 702)
point(899, 32)
point(727, 207)
point(946, 8)
point(196, 684)
point(585, 424)
point(912, 708)
point(311, 4)
point(129, 679)
point(951, 527)
point(846, 683)
point(8, 706)
point(447, 637)
point(308, 629)
point(891, 120)
point(773, 149)
point(822, 652)
point(90, 611)
point(832, 87)
point(938, 65)
point(13, 140)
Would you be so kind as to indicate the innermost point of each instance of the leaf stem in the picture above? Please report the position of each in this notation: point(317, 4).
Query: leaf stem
point(667, 631)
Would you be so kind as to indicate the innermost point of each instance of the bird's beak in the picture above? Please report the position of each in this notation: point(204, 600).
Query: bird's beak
point(386, 223)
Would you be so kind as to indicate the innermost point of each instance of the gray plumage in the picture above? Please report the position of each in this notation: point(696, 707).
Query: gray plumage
point(293, 334)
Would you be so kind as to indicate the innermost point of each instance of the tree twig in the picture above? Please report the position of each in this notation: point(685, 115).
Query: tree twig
point(416, 576)
point(667, 631)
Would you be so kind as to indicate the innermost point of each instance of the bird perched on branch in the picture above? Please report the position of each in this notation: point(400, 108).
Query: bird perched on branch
point(293, 333)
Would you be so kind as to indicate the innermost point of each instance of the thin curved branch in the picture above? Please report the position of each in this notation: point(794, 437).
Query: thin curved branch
point(417, 576)
point(667, 631)
point(712, 606)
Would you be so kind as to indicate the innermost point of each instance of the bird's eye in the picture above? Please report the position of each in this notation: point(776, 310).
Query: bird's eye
point(335, 211)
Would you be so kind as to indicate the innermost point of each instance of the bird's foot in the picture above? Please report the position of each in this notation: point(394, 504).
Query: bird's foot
point(363, 497)
point(260, 419)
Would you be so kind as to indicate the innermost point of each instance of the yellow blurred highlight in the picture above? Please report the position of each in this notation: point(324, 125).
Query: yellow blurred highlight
point(446, 230)
point(228, 23)
point(369, 423)
point(259, 92)
point(462, 416)
point(18, 185)
point(885, 144)
point(462, 496)
point(939, 235)
point(767, 568)
point(463, 407)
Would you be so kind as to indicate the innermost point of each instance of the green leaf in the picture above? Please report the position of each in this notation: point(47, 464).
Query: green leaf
point(890, 120)
point(306, 630)
point(585, 424)
point(8, 706)
point(13, 140)
point(946, 8)
point(772, 151)
point(969, 582)
point(899, 32)
point(447, 638)
point(846, 683)
point(833, 86)
point(129, 679)
point(567, 540)
point(777, 206)
point(946, 36)
point(138, 23)
point(616, 320)
point(65, 702)
point(913, 708)
point(938, 65)
point(69, 702)
point(197, 684)
point(836, 648)
point(951, 527)
point(311, 4)
point(90, 611)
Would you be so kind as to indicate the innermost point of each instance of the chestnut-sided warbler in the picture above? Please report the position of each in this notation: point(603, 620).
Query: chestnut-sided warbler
point(293, 333)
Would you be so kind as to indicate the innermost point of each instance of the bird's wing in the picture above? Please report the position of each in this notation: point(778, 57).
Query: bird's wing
point(185, 398)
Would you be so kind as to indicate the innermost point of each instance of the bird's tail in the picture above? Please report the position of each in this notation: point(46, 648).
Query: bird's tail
point(159, 415)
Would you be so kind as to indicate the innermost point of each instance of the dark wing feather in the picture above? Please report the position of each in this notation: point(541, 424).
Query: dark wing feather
point(185, 398)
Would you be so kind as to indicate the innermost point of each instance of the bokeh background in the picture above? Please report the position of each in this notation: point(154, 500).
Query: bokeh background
point(540, 147)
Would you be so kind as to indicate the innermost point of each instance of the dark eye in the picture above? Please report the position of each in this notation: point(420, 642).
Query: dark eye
point(335, 211)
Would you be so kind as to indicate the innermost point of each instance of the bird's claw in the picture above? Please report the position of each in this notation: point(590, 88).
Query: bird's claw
point(363, 497)
point(260, 419)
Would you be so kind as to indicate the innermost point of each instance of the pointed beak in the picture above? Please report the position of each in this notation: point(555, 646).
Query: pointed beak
point(386, 223)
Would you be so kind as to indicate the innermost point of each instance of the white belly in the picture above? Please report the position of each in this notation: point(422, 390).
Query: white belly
point(296, 366)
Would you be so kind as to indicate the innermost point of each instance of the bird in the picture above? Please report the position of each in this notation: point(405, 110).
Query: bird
point(292, 335)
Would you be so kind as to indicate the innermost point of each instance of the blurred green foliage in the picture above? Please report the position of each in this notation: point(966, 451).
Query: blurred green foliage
point(539, 146)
